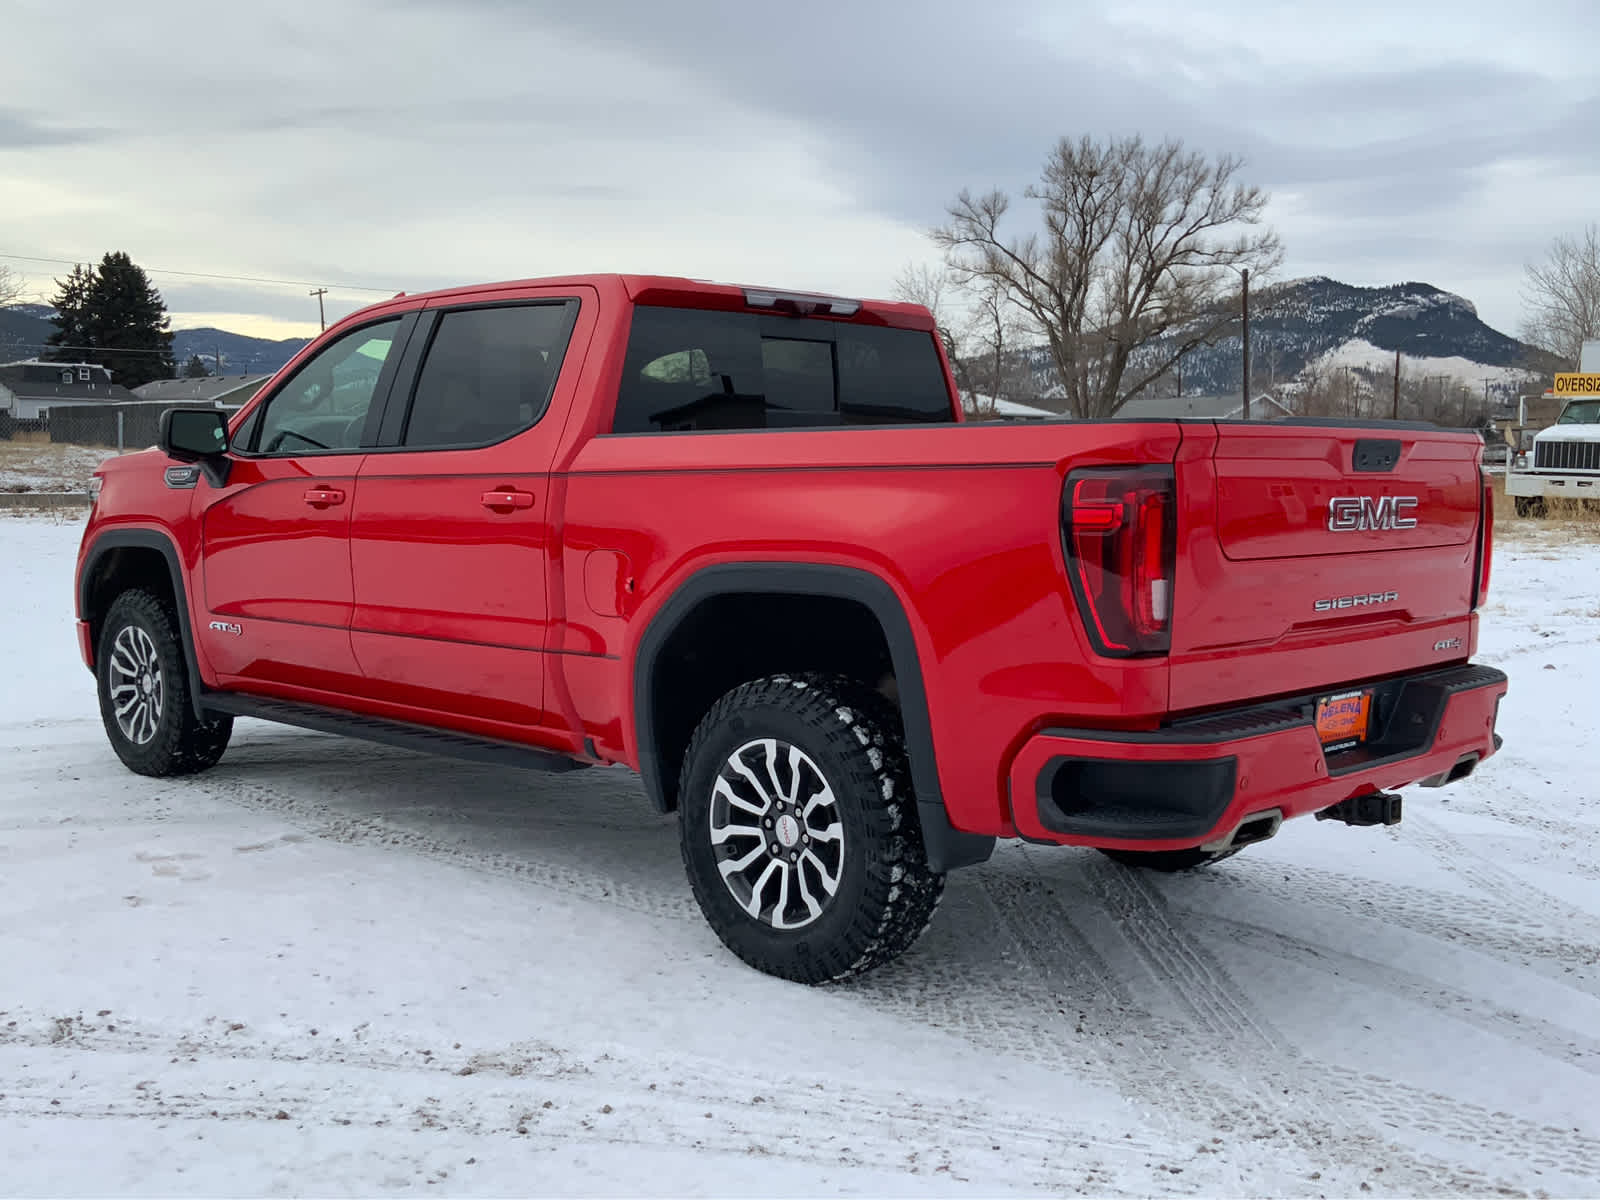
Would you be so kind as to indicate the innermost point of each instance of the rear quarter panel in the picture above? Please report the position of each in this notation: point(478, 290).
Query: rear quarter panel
point(961, 521)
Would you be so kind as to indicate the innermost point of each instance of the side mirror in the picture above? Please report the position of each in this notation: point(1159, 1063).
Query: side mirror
point(197, 435)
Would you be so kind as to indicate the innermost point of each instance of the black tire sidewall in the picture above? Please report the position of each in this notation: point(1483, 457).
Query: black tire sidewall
point(828, 946)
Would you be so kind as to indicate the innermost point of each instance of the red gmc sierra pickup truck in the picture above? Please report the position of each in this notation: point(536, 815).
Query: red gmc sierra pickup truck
point(742, 541)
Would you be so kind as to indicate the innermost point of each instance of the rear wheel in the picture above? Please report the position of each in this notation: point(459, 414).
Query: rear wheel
point(799, 831)
point(145, 697)
point(1170, 860)
point(1530, 506)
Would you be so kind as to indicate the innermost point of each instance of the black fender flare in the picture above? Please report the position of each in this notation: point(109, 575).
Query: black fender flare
point(149, 539)
point(947, 847)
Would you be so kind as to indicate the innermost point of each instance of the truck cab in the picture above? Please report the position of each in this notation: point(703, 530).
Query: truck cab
point(1563, 461)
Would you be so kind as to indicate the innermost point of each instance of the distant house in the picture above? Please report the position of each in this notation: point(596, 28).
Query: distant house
point(225, 391)
point(29, 388)
point(987, 408)
point(1225, 407)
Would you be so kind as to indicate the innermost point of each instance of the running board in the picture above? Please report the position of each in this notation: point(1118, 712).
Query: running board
point(422, 738)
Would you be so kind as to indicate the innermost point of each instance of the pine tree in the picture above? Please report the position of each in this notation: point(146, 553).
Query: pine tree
point(70, 339)
point(113, 316)
point(195, 369)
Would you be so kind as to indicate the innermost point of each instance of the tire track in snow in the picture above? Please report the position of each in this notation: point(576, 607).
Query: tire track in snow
point(379, 829)
point(1444, 916)
point(1184, 1065)
point(1532, 1034)
point(1226, 1017)
point(667, 1102)
point(1003, 1014)
point(1514, 893)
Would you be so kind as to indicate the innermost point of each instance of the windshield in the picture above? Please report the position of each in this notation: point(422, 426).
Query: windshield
point(1581, 412)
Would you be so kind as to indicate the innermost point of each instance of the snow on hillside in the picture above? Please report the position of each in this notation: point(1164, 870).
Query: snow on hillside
point(1363, 355)
point(339, 969)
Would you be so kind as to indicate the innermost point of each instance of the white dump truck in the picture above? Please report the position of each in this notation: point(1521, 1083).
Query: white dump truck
point(1563, 460)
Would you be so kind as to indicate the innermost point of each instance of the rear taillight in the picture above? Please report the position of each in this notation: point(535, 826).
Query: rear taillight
point(1485, 543)
point(1120, 529)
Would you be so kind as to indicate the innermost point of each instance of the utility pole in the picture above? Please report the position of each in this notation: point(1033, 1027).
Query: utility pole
point(1246, 302)
point(1396, 386)
point(319, 293)
point(218, 351)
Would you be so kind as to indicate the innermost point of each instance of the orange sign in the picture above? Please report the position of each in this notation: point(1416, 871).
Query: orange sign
point(1344, 718)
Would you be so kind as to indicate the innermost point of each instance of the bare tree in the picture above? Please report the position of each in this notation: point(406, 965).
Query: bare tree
point(11, 287)
point(934, 289)
point(979, 329)
point(1138, 244)
point(1562, 295)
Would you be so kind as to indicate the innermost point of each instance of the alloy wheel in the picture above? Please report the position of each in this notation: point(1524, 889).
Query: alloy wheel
point(779, 833)
point(135, 684)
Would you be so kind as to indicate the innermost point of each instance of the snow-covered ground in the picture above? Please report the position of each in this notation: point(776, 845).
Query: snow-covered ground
point(332, 968)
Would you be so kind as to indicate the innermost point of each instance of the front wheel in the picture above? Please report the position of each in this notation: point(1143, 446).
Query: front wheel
point(799, 831)
point(145, 693)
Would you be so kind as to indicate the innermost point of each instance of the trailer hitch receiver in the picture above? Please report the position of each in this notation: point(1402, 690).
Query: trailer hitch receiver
point(1374, 808)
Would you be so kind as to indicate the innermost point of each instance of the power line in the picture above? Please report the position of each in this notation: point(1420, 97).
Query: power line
point(338, 287)
point(6, 346)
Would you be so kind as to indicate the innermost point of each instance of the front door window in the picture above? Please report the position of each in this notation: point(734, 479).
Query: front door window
point(325, 405)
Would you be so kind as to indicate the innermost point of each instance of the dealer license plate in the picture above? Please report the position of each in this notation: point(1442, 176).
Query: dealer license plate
point(1343, 720)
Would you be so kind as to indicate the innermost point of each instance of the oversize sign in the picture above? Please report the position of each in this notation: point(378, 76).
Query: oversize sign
point(1574, 384)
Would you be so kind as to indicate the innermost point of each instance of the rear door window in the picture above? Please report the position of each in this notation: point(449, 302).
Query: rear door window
point(693, 369)
point(488, 373)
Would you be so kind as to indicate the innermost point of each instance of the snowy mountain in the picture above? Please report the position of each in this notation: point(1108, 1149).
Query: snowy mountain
point(241, 355)
point(1318, 325)
point(23, 328)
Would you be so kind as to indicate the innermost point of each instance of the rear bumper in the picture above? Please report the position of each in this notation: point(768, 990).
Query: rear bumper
point(1529, 483)
point(1196, 783)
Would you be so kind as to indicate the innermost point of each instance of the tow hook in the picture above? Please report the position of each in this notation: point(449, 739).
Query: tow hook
point(1374, 808)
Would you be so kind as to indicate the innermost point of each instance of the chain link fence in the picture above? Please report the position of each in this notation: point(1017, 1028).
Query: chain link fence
point(120, 426)
point(129, 426)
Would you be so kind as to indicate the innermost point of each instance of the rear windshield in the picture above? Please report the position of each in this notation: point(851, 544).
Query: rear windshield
point(690, 369)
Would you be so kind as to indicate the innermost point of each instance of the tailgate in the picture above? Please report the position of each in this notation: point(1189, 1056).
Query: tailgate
point(1333, 553)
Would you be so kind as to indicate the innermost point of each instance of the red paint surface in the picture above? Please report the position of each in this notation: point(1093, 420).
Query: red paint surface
point(414, 597)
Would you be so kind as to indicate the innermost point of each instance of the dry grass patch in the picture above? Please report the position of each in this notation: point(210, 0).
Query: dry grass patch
point(1566, 520)
point(29, 465)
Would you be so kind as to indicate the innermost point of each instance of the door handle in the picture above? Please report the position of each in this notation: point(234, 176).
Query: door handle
point(507, 499)
point(321, 497)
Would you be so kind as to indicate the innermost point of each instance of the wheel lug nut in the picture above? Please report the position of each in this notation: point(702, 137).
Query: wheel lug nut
point(793, 857)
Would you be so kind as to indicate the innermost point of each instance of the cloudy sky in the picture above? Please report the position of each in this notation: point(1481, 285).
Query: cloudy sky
point(406, 144)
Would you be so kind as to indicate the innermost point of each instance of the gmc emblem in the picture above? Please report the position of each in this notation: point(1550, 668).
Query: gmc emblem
point(1354, 514)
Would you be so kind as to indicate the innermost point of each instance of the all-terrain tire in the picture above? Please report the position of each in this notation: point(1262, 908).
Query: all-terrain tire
point(850, 772)
point(1169, 860)
point(1530, 506)
point(145, 692)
